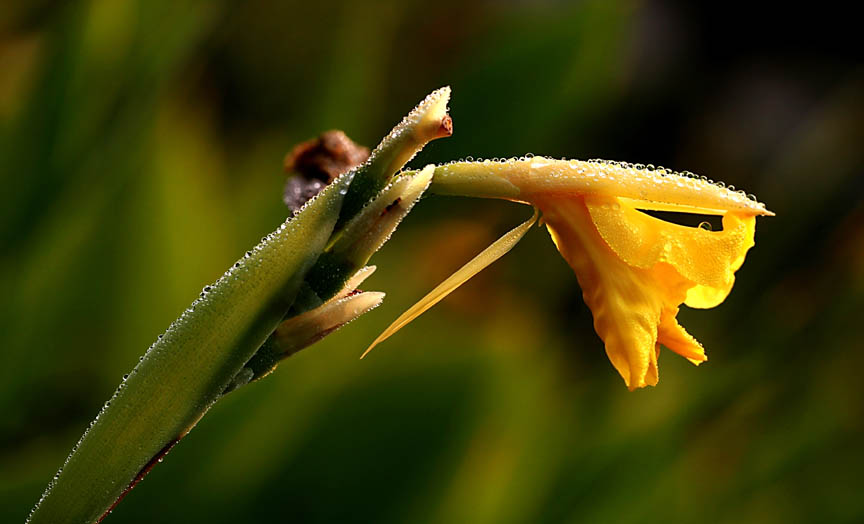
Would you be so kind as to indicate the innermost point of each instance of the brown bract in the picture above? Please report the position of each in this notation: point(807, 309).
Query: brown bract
point(315, 163)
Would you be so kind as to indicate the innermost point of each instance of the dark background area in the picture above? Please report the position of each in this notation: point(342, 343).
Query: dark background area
point(141, 145)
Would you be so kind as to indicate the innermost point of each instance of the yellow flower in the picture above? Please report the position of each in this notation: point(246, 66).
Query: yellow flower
point(635, 270)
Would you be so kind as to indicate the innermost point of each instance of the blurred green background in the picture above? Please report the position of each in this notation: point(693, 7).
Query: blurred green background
point(141, 145)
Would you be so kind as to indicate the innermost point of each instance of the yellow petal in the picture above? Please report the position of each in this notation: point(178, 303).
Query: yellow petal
point(627, 302)
point(672, 335)
point(708, 259)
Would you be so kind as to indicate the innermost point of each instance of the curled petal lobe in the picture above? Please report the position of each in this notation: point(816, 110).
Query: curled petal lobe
point(672, 335)
point(709, 259)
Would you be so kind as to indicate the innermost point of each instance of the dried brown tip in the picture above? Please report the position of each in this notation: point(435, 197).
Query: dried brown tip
point(446, 128)
point(318, 162)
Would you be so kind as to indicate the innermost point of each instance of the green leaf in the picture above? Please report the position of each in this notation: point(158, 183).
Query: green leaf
point(189, 367)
